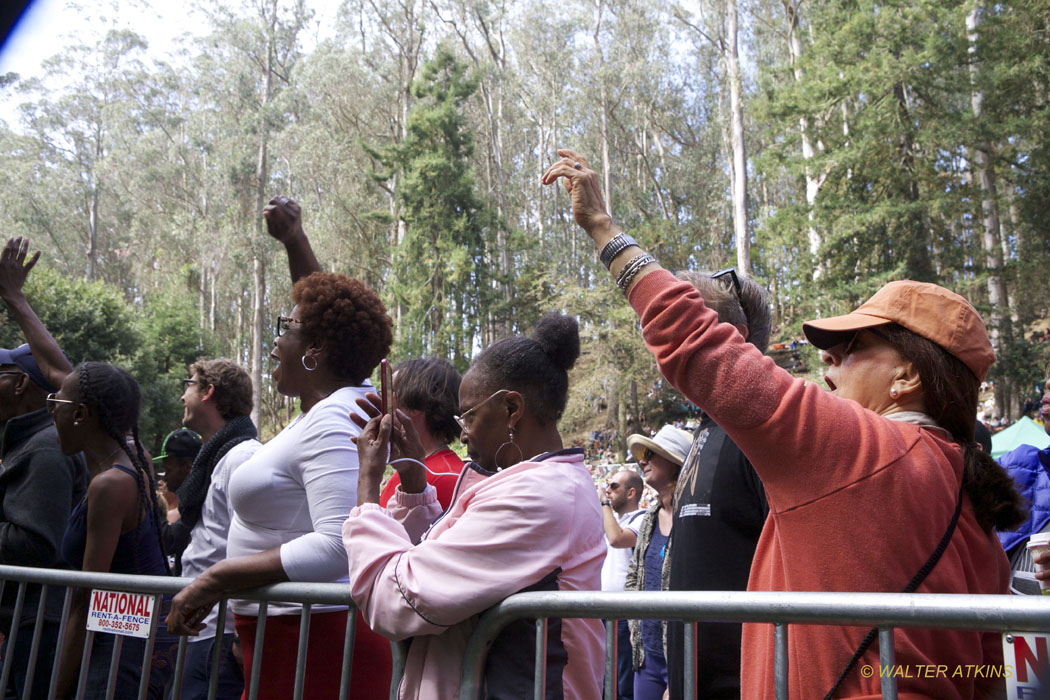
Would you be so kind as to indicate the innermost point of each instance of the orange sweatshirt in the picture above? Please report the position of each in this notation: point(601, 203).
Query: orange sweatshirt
point(857, 503)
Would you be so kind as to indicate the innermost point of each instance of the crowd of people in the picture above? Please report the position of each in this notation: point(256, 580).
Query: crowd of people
point(774, 487)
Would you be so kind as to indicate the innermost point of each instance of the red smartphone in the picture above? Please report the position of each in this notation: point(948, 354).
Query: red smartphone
point(386, 388)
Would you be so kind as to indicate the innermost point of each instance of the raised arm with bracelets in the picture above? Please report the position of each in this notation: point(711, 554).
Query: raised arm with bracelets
point(882, 461)
point(588, 208)
point(13, 272)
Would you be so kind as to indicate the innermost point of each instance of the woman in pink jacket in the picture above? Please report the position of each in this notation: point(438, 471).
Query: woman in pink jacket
point(523, 517)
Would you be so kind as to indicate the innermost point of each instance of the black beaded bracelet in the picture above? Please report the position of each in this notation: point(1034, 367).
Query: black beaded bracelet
point(614, 248)
point(631, 270)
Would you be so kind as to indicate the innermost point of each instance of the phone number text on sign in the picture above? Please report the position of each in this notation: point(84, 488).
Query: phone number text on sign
point(129, 614)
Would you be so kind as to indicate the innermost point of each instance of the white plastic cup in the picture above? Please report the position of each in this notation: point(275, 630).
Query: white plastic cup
point(1040, 542)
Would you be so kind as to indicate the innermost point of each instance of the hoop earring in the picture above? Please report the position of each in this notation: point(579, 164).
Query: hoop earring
point(308, 369)
point(521, 455)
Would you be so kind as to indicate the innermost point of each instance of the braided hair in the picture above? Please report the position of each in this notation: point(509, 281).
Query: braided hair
point(114, 396)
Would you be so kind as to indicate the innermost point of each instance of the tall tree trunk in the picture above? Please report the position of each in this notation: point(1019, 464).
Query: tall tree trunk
point(990, 240)
point(259, 254)
point(736, 108)
point(603, 109)
point(814, 181)
point(92, 255)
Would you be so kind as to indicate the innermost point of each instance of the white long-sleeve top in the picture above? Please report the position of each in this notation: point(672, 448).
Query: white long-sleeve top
point(295, 493)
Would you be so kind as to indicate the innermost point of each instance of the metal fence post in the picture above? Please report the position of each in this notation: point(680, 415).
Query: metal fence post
point(689, 649)
point(12, 637)
point(300, 656)
point(147, 651)
point(217, 647)
point(260, 634)
point(780, 660)
point(612, 667)
point(887, 660)
point(540, 679)
point(67, 603)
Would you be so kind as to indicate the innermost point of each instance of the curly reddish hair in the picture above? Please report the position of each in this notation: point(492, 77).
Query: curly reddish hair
point(348, 318)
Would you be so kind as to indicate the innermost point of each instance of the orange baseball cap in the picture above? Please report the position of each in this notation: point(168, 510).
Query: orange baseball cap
point(925, 309)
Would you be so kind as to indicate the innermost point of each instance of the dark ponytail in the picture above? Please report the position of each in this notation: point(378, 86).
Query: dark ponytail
point(950, 391)
point(114, 396)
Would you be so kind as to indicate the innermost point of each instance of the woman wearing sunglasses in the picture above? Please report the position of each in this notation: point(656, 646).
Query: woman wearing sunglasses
point(660, 458)
point(290, 499)
point(876, 486)
point(523, 517)
point(115, 528)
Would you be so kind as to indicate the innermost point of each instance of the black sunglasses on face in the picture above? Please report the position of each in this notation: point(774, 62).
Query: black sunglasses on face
point(648, 455)
point(612, 486)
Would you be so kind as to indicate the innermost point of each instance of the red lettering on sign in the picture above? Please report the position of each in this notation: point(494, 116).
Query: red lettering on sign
point(1039, 660)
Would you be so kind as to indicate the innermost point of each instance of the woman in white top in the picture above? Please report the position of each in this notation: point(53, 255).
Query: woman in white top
point(291, 498)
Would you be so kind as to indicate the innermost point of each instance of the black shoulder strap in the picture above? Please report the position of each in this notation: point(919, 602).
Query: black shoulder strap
point(919, 577)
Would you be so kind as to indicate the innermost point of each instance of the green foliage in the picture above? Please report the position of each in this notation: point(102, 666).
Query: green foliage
point(441, 280)
point(90, 320)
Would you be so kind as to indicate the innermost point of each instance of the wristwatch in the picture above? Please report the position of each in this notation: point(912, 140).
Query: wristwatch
point(607, 503)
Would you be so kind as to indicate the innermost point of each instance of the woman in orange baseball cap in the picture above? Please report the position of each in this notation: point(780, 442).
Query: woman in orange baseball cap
point(875, 485)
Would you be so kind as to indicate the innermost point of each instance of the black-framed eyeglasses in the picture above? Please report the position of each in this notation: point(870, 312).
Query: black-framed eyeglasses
point(730, 272)
point(467, 417)
point(282, 324)
point(53, 402)
point(10, 371)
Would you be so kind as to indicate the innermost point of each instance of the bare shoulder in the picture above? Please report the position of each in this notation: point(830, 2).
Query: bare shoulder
point(114, 487)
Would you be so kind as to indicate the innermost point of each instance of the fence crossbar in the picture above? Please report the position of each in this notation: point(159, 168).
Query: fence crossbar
point(885, 610)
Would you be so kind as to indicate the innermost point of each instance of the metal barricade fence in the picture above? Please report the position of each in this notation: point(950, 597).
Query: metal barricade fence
point(307, 594)
point(998, 613)
point(883, 610)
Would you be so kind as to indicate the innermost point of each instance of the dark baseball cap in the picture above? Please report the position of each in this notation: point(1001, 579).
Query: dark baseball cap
point(181, 444)
point(22, 358)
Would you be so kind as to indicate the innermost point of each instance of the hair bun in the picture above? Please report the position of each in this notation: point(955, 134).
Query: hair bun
point(559, 336)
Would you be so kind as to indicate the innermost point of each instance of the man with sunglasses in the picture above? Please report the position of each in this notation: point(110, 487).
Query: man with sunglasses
point(621, 519)
point(38, 488)
point(719, 508)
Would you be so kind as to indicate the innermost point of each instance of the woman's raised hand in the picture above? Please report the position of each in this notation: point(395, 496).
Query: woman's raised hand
point(13, 266)
point(283, 218)
point(588, 207)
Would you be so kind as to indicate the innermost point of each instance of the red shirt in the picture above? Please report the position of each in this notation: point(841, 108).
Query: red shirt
point(444, 462)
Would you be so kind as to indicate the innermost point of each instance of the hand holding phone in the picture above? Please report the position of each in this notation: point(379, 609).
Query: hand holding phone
point(386, 388)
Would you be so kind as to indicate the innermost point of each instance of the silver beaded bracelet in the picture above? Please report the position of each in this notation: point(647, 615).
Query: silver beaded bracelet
point(631, 270)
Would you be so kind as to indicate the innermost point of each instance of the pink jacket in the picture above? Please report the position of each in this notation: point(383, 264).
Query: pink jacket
point(502, 533)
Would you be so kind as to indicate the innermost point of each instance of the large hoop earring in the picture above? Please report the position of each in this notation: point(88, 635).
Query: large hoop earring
point(309, 369)
point(521, 455)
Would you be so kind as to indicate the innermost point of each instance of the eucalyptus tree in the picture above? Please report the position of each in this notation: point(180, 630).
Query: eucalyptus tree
point(83, 105)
